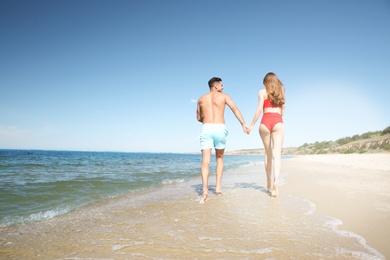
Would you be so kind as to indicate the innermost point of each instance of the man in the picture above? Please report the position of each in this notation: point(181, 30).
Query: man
point(210, 111)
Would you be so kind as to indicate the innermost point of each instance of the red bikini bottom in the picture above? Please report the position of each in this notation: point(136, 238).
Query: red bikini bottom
point(271, 119)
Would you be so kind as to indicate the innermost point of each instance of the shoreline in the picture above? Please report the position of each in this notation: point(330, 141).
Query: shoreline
point(352, 188)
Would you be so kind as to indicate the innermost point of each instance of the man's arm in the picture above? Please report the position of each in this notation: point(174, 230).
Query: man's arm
point(237, 113)
point(199, 115)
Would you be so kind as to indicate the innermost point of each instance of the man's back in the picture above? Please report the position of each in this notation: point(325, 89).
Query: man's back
point(212, 107)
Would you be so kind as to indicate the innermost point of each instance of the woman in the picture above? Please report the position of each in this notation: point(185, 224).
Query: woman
point(271, 102)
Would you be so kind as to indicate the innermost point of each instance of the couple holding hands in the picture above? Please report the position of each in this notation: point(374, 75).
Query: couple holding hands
point(210, 111)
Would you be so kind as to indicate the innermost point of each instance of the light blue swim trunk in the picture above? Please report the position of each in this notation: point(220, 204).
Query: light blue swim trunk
point(213, 136)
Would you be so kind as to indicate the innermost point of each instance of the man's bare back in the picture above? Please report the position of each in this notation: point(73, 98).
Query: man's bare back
point(211, 106)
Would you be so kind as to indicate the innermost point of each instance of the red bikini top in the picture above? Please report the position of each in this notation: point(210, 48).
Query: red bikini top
point(268, 103)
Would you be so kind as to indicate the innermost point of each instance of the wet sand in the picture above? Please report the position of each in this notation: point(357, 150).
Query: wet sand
point(243, 223)
point(353, 188)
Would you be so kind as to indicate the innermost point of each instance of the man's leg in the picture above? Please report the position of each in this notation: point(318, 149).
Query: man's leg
point(219, 169)
point(206, 157)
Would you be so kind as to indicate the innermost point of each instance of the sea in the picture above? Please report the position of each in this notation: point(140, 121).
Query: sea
point(37, 185)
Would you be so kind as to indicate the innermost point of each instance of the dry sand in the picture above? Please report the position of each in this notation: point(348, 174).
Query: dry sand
point(353, 188)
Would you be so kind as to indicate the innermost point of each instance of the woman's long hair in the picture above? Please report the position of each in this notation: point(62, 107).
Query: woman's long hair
point(275, 89)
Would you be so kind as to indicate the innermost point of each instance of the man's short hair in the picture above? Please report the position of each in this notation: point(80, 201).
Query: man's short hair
point(214, 80)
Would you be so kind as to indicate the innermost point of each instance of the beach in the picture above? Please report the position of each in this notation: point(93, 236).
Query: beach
point(353, 188)
point(330, 206)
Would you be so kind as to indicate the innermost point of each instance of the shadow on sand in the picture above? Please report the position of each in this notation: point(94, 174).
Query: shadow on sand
point(199, 188)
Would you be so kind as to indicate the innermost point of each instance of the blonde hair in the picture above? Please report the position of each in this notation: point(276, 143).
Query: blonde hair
point(274, 88)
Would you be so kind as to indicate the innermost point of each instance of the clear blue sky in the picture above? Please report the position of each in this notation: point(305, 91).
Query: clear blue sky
point(125, 75)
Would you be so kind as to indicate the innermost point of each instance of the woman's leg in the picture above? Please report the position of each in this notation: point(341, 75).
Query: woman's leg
point(277, 137)
point(265, 135)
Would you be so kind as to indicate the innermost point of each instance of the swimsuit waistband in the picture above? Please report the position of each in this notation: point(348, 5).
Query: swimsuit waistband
point(272, 113)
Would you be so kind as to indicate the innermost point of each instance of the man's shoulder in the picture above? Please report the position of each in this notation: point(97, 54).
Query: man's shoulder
point(204, 96)
point(226, 96)
point(221, 96)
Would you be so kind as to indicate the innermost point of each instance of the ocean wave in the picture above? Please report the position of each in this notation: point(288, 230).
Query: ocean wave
point(13, 220)
point(171, 181)
point(251, 164)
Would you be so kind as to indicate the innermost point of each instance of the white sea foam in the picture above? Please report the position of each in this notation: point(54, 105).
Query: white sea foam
point(119, 247)
point(251, 164)
point(8, 221)
point(312, 207)
point(257, 251)
point(210, 238)
point(169, 181)
point(334, 223)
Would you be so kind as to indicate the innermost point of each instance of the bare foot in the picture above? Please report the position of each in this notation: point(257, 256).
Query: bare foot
point(218, 189)
point(269, 186)
point(275, 191)
point(204, 198)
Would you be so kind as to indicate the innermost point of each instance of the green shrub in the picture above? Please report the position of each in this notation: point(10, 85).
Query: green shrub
point(386, 131)
point(348, 151)
point(344, 140)
point(367, 135)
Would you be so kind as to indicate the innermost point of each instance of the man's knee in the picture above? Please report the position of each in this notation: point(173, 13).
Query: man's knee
point(219, 154)
point(205, 161)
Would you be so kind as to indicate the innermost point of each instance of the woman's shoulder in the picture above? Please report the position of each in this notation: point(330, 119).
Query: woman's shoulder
point(263, 93)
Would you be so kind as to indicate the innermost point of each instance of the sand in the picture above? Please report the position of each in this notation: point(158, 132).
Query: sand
point(244, 223)
point(353, 188)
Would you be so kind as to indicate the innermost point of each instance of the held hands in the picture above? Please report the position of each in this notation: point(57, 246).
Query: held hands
point(247, 129)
